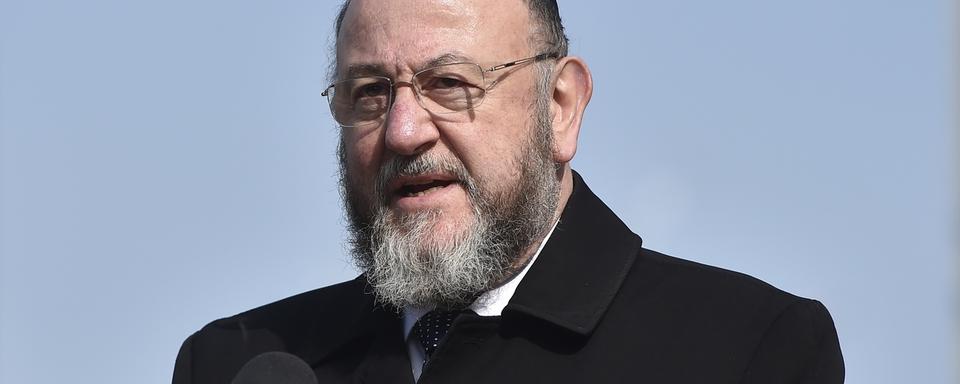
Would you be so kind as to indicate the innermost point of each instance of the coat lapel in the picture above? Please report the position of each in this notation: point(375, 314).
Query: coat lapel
point(581, 267)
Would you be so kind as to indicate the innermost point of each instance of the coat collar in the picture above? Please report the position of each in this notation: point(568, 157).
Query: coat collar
point(581, 267)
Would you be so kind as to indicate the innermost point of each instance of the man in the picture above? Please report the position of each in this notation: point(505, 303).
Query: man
point(485, 258)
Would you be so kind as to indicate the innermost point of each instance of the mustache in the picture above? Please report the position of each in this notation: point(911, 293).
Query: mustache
point(422, 164)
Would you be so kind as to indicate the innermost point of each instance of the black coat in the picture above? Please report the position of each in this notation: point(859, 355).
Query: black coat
point(596, 307)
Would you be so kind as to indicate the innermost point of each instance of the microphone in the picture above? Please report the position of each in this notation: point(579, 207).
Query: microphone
point(275, 368)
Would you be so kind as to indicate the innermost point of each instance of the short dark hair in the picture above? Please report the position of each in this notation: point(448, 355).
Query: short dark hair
point(549, 34)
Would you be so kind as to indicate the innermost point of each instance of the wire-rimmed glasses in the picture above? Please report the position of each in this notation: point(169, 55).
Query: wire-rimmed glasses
point(443, 89)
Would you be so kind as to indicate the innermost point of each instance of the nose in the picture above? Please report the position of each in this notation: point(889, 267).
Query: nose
point(409, 129)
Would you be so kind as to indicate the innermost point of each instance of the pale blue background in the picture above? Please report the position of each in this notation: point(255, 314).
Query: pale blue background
point(165, 163)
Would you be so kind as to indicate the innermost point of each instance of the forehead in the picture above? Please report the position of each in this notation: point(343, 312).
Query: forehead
point(401, 35)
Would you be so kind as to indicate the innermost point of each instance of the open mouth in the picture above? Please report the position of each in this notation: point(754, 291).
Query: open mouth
point(416, 189)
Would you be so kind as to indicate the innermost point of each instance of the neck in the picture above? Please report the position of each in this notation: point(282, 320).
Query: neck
point(566, 189)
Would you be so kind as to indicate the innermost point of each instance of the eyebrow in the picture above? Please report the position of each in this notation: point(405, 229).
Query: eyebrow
point(446, 58)
point(364, 69)
point(370, 69)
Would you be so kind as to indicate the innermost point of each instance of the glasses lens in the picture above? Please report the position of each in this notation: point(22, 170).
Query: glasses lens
point(357, 102)
point(450, 88)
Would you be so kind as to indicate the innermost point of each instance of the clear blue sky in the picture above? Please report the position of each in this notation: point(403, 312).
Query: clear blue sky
point(166, 163)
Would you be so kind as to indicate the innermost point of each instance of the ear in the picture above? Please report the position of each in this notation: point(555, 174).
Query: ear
point(572, 89)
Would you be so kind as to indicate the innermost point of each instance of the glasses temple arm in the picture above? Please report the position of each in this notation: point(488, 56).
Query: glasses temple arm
point(540, 57)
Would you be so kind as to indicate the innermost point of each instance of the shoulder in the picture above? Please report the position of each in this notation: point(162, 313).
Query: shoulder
point(331, 304)
point(718, 294)
point(704, 284)
point(751, 324)
point(309, 325)
point(713, 304)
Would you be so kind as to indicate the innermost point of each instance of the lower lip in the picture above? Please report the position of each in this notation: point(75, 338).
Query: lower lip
point(431, 199)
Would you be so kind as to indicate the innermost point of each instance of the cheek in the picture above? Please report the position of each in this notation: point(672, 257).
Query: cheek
point(503, 146)
point(491, 148)
point(362, 162)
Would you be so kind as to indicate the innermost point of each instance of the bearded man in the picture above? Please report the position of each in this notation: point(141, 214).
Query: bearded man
point(485, 258)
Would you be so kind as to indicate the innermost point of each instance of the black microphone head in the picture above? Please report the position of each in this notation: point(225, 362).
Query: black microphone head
point(275, 368)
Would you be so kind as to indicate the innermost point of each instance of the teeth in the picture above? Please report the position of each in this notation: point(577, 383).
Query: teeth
point(421, 193)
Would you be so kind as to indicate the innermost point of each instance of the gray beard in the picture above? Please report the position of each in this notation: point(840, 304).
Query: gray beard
point(404, 262)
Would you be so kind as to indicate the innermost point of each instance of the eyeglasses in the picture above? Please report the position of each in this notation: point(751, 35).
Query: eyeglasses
point(444, 89)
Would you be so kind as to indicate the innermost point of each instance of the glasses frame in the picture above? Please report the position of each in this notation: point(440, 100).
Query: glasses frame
point(416, 90)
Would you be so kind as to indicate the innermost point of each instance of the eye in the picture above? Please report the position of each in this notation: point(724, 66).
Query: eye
point(448, 82)
point(445, 81)
point(376, 89)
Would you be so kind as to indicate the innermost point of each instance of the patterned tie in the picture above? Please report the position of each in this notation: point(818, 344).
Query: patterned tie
point(431, 328)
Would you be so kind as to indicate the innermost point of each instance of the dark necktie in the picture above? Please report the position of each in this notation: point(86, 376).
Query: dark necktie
point(431, 328)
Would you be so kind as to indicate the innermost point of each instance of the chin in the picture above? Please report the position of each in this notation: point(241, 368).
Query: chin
point(436, 229)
